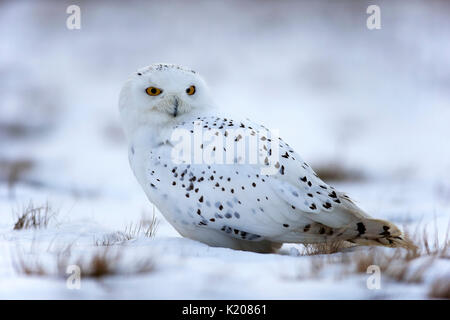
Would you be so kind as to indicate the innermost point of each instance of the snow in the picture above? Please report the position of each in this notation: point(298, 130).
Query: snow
point(375, 101)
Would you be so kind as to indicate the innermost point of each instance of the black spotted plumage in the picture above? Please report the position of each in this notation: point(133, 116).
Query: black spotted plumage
point(238, 204)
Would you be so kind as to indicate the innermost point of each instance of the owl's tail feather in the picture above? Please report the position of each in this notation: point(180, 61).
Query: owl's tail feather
point(374, 232)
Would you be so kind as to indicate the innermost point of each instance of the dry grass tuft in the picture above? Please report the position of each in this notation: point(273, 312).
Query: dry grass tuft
point(33, 217)
point(112, 239)
point(440, 288)
point(150, 224)
point(434, 248)
point(26, 266)
point(99, 264)
point(105, 262)
point(397, 265)
point(146, 227)
point(401, 265)
point(313, 249)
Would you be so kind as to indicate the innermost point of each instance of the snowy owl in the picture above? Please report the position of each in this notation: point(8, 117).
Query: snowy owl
point(235, 202)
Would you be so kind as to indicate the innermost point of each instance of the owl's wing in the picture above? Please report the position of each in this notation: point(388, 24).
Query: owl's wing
point(280, 198)
point(300, 187)
point(297, 184)
point(334, 214)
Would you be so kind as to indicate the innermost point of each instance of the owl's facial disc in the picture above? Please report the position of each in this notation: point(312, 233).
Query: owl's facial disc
point(160, 94)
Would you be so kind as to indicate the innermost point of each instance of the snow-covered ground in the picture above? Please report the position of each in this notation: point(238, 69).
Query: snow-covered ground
point(372, 101)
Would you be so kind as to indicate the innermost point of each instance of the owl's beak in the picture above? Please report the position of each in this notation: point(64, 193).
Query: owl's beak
point(175, 105)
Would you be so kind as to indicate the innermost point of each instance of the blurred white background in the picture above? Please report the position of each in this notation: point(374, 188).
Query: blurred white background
point(368, 103)
point(376, 100)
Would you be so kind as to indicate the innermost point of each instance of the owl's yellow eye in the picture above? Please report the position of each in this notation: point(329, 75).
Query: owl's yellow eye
point(191, 90)
point(152, 91)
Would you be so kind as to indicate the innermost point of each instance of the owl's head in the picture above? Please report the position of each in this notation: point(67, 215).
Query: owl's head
point(162, 94)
